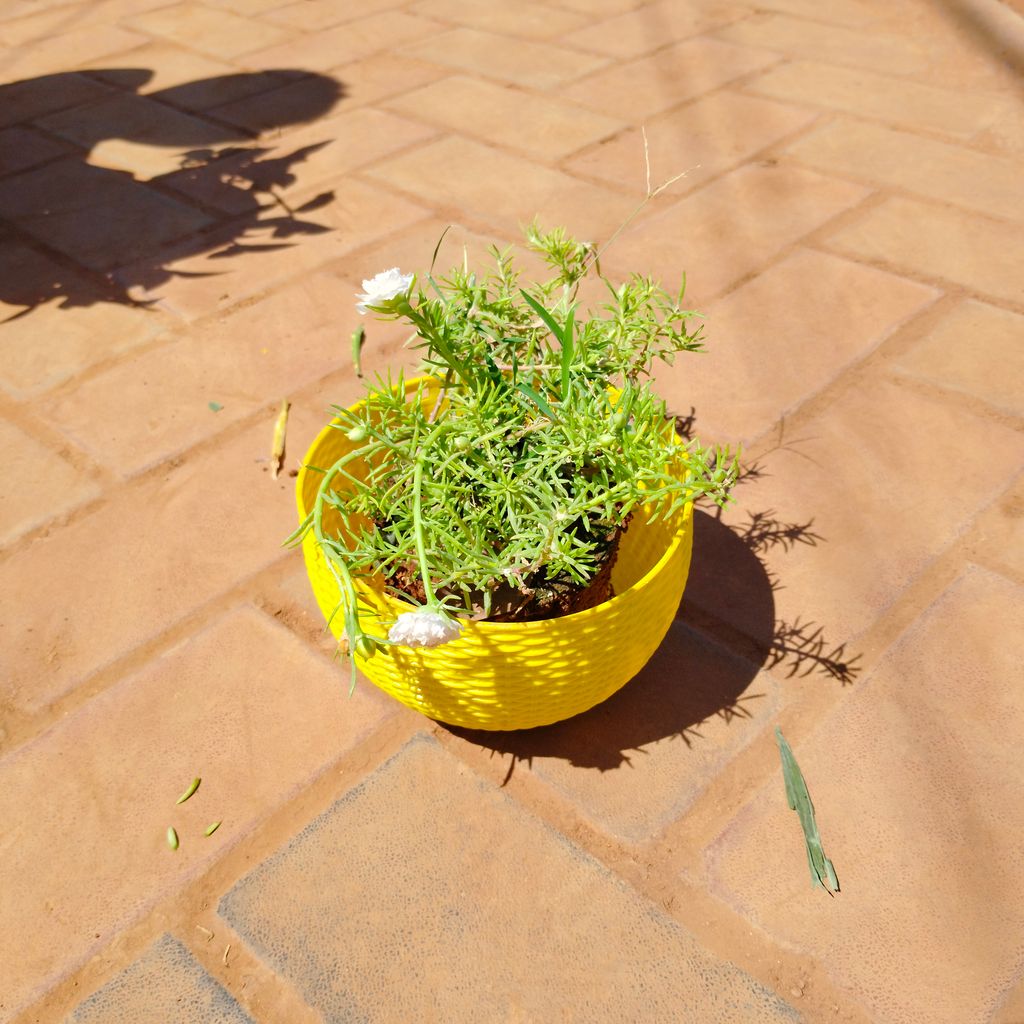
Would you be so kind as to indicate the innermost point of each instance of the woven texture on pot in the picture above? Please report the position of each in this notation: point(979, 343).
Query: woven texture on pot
point(514, 675)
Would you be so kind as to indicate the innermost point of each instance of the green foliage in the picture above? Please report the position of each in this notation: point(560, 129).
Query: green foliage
point(545, 439)
point(799, 800)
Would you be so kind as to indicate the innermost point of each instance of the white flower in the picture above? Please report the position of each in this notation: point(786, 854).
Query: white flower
point(424, 628)
point(386, 285)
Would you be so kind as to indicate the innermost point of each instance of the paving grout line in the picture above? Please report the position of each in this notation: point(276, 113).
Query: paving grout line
point(899, 126)
point(195, 900)
point(651, 125)
point(715, 926)
point(732, 19)
point(917, 79)
point(448, 131)
point(898, 191)
point(730, 790)
point(266, 996)
point(947, 285)
point(29, 422)
point(23, 728)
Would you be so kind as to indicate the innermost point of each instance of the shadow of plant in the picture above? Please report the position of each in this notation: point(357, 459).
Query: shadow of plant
point(78, 233)
point(708, 660)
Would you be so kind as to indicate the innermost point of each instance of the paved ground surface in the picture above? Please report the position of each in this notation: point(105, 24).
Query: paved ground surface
point(191, 194)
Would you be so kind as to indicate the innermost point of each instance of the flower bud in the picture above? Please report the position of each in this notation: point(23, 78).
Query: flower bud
point(357, 434)
point(461, 442)
point(366, 647)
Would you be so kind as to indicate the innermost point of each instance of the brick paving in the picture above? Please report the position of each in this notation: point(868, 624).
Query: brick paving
point(190, 194)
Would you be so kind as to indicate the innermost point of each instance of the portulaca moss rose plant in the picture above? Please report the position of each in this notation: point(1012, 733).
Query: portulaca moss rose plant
point(499, 483)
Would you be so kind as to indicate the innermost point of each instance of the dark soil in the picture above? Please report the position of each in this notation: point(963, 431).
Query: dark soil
point(540, 598)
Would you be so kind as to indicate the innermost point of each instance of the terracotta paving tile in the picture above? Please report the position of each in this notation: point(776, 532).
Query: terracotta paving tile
point(976, 349)
point(103, 783)
point(51, 19)
point(383, 75)
point(1011, 1008)
point(998, 536)
point(202, 94)
point(41, 20)
point(814, 40)
point(322, 153)
point(563, 936)
point(600, 8)
point(1004, 132)
point(288, 102)
point(868, 486)
point(153, 554)
point(292, 603)
point(652, 84)
point(23, 148)
point(973, 251)
point(703, 138)
point(97, 217)
point(169, 66)
point(765, 340)
point(526, 19)
point(16, 9)
point(939, 170)
point(218, 33)
point(895, 100)
point(854, 13)
point(313, 15)
point(139, 120)
point(164, 983)
point(729, 228)
point(355, 138)
point(39, 484)
point(154, 406)
point(66, 52)
point(502, 189)
point(24, 101)
point(638, 761)
point(69, 312)
point(293, 245)
point(538, 126)
point(528, 63)
point(38, 24)
point(412, 249)
point(244, 7)
point(635, 33)
point(916, 801)
point(968, 53)
point(146, 162)
point(342, 44)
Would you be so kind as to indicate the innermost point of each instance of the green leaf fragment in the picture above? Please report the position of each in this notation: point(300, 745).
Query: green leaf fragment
point(172, 838)
point(191, 789)
point(215, 406)
point(799, 800)
point(358, 338)
point(211, 828)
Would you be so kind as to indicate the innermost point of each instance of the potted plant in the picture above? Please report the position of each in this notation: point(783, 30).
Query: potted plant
point(503, 541)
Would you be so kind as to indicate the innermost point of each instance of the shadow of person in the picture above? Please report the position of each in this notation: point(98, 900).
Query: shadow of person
point(112, 178)
point(686, 682)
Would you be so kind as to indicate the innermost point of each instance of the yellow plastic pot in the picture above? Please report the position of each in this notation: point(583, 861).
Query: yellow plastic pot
point(514, 675)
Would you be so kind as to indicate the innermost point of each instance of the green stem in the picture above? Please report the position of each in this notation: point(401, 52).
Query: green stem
point(417, 529)
point(337, 566)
